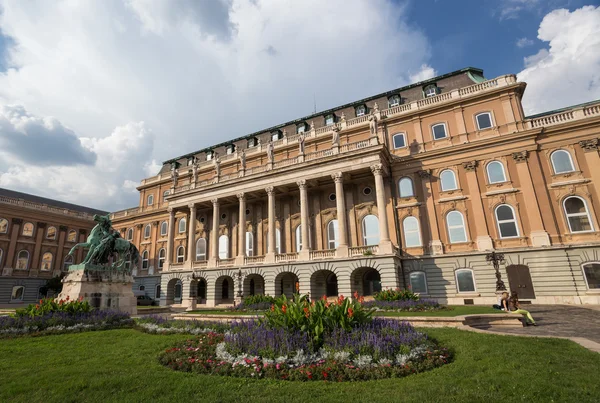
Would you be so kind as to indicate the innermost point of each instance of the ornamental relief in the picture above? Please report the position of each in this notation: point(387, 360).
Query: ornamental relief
point(223, 230)
point(328, 214)
point(365, 209)
point(580, 189)
point(504, 198)
point(459, 205)
point(412, 211)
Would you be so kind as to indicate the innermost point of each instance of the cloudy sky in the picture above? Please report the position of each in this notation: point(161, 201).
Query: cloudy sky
point(95, 94)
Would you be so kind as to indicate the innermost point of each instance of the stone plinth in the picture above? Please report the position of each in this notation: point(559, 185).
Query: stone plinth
point(103, 289)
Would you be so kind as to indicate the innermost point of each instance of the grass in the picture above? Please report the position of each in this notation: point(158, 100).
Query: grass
point(121, 365)
point(457, 310)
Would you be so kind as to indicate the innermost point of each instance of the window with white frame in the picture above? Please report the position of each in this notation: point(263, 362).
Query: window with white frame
point(182, 226)
point(22, 260)
point(484, 120)
point(46, 261)
point(223, 247)
point(394, 100)
point(145, 260)
point(301, 128)
point(298, 238)
point(370, 228)
point(495, 172)
point(412, 234)
point(277, 241)
point(3, 225)
point(180, 254)
point(329, 119)
point(150, 200)
point(448, 180)
point(430, 90)
point(147, 231)
point(399, 140)
point(51, 233)
point(332, 234)
point(456, 227)
point(249, 243)
point(17, 294)
point(439, 131)
point(507, 222)
point(562, 162)
point(418, 282)
point(27, 229)
point(164, 228)
point(162, 255)
point(405, 186)
point(130, 234)
point(165, 194)
point(360, 110)
point(72, 237)
point(201, 249)
point(578, 215)
point(465, 280)
point(591, 272)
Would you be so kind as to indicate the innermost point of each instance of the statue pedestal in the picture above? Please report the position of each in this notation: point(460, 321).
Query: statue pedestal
point(103, 289)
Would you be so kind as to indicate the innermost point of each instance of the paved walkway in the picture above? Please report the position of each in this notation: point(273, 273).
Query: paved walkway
point(562, 321)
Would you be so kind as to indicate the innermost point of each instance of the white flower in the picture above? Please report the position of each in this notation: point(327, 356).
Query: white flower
point(363, 361)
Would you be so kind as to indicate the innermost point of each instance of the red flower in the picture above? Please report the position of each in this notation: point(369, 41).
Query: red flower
point(324, 298)
point(41, 301)
point(350, 312)
point(68, 297)
point(325, 374)
point(37, 306)
point(283, 308)
point(306, 312)
point(356, 294)
point(340, 299)
point(327, 304)
point(272, 308)
point(361, 299)
point(81, 297)
point(297, 286)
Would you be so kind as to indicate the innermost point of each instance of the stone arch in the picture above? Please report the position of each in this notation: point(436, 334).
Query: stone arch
point(285, 283)
point(224, 289)
point(199, 289)
point(365, 280)
point(174, 291)
point(254, 284)
point(324, 282)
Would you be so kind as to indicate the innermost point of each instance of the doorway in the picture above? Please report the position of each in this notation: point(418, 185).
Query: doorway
point(519, 280)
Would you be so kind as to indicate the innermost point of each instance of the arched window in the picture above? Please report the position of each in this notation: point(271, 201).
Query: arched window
point(165, 194)
point(51, 233)
point(46, 261)
point(22, 260)
point(142, 287)
point(180, 254)
point(201, 249)
point(130, 234)
point(223, 247)
point(17, 294)
point(430, 91)
point(578, 215)
point(150, 200)
point(507, 223)
point(406, 187)
point(72, 237)
point(448, 180)
point(27, 229)
point(249, 243)
point(394, 100)
point(162, 254)
point(412, 235)
point(277, 241)
point(332, 234)
point(495, 171)
point(147, 231)
point(465, 280)
point(164, 228)
point(298, 238)
point(484, 120)
point(3, 226)
point(591, 272)
point(562, 162)
point(418, 282)
point(145, 260)
point(399, 140)
point(370, 227)
point(67, 262)
point(182, 225)
point(439, 131)
point(456, 227)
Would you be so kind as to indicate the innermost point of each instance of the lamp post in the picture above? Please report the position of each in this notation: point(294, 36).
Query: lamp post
point(239, 293)
point(496, 259)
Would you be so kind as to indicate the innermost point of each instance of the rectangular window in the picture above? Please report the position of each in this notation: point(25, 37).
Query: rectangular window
point(329, 120)
point(484, 121)
point(592, 275)
point(399, 140)
point(439, 131)
point(418, 282)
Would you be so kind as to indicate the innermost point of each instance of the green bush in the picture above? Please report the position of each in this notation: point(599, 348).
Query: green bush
point(396, 295)
point(257, 299)
point(49, 305)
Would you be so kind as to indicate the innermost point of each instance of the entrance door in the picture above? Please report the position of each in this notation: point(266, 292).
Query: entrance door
point(519, 280)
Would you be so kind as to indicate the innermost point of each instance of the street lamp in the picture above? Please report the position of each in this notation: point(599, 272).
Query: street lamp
point(496, 259)
point(239, 275)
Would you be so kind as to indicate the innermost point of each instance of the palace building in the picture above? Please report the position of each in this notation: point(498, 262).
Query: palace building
point(412, 187)
point(36, 235)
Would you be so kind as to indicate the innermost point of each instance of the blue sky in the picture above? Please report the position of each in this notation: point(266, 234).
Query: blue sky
point(94, 95)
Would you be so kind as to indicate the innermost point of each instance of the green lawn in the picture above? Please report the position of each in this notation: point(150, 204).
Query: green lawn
point(121, 365)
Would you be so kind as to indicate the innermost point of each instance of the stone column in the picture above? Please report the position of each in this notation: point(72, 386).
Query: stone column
point(170, 241)
point(538, 236)
point(340, 201)
point(214, 236)
point(192, 235)
point(385, 245)
point(59, 259)
point(592, 158)
point(484, 241)
point(435, 245)
point(241, 256)
point(304, 253)
point(40, 228)
point(270, 256)
point(15, 227)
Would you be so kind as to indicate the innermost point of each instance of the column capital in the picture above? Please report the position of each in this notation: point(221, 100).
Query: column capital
point(301, 183)
point(589, 145)
point(241, 196)
point(155, 223)
point(377, 169)
point(17, 221)
point(171, 210)
point(425, 173)
point(41, 224)
point(192, 205)
point(139, 226)
point(269, 190)
point(63, 228)
point(338, 177)
point(215, 202)
point(470, 166)
point(520, 156)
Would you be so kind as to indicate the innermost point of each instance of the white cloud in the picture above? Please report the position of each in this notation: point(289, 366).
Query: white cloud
point(425, 72)
point(568, 72)
point(524, 42)
point(197, 73)
point(511, 9)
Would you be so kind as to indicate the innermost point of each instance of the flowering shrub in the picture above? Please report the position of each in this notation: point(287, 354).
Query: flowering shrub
point(419, 305)
point(395, 295)
point(160, 325)
point(62, 322)
point(50, 305)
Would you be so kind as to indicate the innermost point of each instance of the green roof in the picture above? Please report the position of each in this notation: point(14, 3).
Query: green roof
point(566, 108)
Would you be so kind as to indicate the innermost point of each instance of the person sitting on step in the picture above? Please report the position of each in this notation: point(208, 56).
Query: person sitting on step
point(512, 305)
